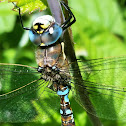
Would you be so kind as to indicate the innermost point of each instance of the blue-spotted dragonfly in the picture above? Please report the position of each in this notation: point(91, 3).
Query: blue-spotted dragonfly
point(24, 89)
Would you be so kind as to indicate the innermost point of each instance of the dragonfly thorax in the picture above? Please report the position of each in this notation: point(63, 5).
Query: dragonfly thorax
point(45, 31)
point(53, 75)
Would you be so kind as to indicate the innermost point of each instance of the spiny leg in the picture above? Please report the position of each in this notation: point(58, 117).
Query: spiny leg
point(67, 23)
point(25, 28)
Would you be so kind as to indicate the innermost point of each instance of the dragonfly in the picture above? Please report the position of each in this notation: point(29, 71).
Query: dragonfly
point(23, 89)
point(51, 61)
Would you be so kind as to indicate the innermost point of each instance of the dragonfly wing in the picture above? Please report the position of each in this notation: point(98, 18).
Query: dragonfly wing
point(23, 95)
point(105, 82)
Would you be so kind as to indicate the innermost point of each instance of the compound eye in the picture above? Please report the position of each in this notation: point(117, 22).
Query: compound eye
point(45, 31)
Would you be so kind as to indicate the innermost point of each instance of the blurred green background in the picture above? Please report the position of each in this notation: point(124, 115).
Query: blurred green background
point(100, 31)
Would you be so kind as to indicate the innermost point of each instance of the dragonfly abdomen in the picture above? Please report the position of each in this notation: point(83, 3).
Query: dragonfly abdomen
point(65, 111)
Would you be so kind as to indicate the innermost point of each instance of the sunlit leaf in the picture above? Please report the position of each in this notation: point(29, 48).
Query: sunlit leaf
point(29, 5)
point(100, 28)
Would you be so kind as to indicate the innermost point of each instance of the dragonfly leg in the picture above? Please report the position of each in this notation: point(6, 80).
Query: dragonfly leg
point(25, 28)
point(68, 23)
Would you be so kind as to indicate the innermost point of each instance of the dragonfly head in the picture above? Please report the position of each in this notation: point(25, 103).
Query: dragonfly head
point(42, 23)
point(45, 31)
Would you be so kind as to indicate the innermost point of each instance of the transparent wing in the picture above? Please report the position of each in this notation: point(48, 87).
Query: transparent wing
point(23, 95)
point(105, 82)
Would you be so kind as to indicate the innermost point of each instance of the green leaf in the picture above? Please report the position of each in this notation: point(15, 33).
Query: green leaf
point(29, 5)
point(106, 14)
point(98, 24)
point(6, 14)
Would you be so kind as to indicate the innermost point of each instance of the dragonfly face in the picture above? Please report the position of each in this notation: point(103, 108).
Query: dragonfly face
point(45, 31)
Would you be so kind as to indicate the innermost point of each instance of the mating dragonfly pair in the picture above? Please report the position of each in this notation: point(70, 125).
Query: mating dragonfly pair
point(25, 92)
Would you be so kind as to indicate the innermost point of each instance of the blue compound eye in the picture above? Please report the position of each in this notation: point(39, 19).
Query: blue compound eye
point(45, 31)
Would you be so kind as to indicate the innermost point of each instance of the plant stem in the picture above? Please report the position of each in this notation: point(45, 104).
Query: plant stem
point(57, 13)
